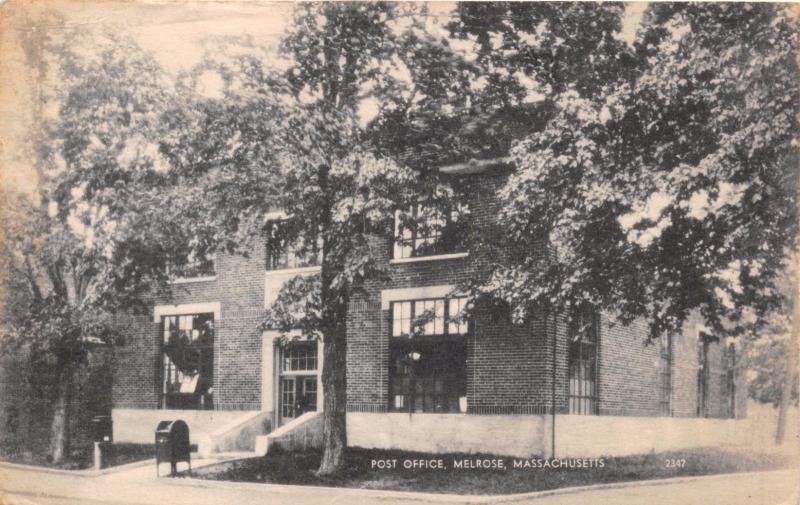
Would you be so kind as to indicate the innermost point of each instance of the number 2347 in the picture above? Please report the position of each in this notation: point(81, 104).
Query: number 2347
point(675, 463)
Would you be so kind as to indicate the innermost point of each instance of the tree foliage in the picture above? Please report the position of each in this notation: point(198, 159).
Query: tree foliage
point(92, 241)
point(665, 183)
point(284, 158)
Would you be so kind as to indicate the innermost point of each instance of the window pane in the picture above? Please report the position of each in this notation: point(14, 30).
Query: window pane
point(434, 231)
point(401, 319)
point(457, 327)
point(281, 256)
point(424, 311)
point(582, 368)
point(300, 357)
point(397, 317)
point(438, 322)
point(188, 361)
point(438, 376)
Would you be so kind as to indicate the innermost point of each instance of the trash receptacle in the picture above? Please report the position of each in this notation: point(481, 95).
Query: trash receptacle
point(102, 429)
point(172, 444)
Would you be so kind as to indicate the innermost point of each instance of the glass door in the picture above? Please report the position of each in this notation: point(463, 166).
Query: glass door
point(288, 399)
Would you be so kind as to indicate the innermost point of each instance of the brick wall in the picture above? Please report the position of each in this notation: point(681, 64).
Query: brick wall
point(505, 363)
point(239, 288)
point(136, 363)
point(509, 368)
point(628, 370)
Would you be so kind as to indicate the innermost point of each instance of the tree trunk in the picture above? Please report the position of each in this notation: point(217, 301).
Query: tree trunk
point(790, 375)
point(59, 429)
point(334, 387)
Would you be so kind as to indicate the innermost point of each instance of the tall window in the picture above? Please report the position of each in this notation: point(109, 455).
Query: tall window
point(730, 380)
point(187, 361)
point(702, 377)
point(665, 375)
point(427, 231)
point(428, 356)
point(583, 342)
point(282, 256)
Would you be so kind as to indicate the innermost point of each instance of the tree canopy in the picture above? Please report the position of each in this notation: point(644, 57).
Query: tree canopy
point(92, 242)
point(667, 185)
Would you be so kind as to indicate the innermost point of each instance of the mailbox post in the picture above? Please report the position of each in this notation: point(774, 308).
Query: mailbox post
point(172, 444)
point(102, 435)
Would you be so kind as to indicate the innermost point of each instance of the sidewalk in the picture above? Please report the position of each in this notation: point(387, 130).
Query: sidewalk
point(140, 486)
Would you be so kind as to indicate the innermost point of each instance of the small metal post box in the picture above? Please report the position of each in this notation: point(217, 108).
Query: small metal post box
point(102, 429)
point(172, 444)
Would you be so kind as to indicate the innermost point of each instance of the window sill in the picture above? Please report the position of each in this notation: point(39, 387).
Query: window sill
point(189, 280)
point(289, 271)
point(437, 257)
point(299, 372)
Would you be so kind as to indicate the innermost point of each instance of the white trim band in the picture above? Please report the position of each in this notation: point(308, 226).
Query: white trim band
point(294, 271)
point(275, 334)
point(393, 295)
point(187, 308)
point(437, 257)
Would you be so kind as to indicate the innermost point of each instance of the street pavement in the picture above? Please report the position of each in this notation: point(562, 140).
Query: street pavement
point(24, 486)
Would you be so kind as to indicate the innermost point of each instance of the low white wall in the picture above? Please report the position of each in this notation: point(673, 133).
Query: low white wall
point(762, 420)
point(531, 435)
point(519, 436)
point(139, 425)
point(595, 436)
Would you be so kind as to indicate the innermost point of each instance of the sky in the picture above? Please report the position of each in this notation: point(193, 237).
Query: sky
point(176, 32)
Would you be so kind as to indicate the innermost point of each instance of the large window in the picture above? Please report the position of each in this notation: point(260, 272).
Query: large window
point(432, 317)
point(665, 375)
point(187, 361)
point(428, 356)
point(583, 341)
point(730, 380)
point(427, 230)
point(282, 256)
point(702, 377)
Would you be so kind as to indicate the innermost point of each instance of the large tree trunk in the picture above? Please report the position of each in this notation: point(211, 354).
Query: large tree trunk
point(334, 387)
point(59, 429)
point(790, 375)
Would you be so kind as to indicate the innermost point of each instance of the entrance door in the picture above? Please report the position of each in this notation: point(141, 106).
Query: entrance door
point(298, 396)
point(288, 399)
point(309, 395)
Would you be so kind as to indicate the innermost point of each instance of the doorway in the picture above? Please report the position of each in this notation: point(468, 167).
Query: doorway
point(298, 380)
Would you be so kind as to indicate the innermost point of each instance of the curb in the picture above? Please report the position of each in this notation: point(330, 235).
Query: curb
point(377, 494)
point(78, 473)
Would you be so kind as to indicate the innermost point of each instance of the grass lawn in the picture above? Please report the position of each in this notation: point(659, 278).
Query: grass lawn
point(298, 468)
point(81, 457)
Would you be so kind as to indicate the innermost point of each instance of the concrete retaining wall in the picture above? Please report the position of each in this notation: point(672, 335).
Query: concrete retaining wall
point(519, 436)
point(526, 436)
point(139, 425)
point(595, 436)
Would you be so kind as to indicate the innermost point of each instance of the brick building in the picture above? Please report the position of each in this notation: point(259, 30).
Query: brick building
point(439, 383)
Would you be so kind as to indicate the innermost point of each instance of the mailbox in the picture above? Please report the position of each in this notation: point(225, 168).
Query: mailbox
point(172, 444)
point(102, 429)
